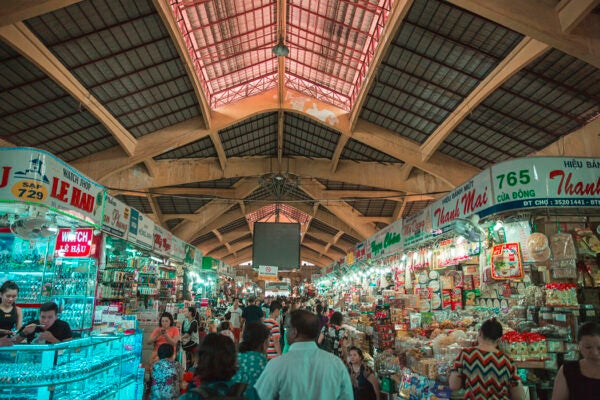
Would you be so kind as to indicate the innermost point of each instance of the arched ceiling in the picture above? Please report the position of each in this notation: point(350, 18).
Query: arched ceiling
point(183, 111)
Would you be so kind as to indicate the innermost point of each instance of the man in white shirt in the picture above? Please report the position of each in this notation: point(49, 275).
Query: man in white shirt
point(235, 312)
point(305, 371)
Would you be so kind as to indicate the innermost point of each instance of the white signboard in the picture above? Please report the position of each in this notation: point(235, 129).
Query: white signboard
point(387, 241)
point(116, 217)
point(267, 273)
point(163, 241)
point(179, 248)
point(416, 229)
point(141, 230)
point(546, 182)
point(37, 177)
point(470, 198)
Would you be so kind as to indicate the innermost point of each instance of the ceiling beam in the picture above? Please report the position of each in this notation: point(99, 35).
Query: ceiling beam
point(15, 11)
point(572, 12)
point(216, 140)
point(452, 171)
point(342, 210)
point(539, 20)
point(186, 230)
point(337, 153)
point(155, 209)
point(101, 165)
point(280, 126)
point(150, 165)
point(212, 244)
point(333, 241)
point(281, 35)
point(399, 210)
point(524, 53)
point(392, 25)
point(166, 14)
point(21, 39)
point(183, 171)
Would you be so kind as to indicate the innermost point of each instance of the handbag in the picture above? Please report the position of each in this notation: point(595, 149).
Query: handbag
point(187, 346)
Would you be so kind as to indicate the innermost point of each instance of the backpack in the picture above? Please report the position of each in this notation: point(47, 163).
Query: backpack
point(235, 392)
point(327, 343)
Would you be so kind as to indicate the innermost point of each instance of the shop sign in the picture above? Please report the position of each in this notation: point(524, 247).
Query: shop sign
point(74, 244)
point(190, 253)
point(267, 273)
point(178, 251)
point(386, 241)
point(360, 251)
point(35, 176)
point(208, 263)
point(546, 182)
point(163, 241)
point(116, 217)
point(141, 230)
point(464, 201)
point(277, 287)
point(416, 229)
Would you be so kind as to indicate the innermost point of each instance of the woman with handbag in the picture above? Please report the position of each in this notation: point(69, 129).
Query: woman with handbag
point(190, 337)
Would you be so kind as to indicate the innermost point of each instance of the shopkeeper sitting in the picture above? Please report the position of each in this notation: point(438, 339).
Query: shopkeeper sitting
point(48, 329)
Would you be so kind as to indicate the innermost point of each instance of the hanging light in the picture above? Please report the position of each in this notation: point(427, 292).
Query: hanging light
point(280, 49)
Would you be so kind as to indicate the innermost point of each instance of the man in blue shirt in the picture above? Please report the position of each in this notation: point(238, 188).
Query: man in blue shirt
point(305, 371)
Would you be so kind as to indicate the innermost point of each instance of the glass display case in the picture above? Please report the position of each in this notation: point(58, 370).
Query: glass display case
point(70, 282)
point(90, 368)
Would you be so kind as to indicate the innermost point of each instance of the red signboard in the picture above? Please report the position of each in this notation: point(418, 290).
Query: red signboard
point(74, 244)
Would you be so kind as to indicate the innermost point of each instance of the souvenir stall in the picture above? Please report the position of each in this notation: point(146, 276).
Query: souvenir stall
point(519, 242)
point(50, 241)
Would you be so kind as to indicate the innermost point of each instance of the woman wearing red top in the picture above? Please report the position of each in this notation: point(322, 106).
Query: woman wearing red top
point(484, 371)
point(165, 333)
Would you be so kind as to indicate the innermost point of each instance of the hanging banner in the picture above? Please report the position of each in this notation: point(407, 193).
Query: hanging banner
point(116, 217)
point(274, 288)
point(141, 230)
point(163, 241)
point(37, 177)
point(267, 273)
point(464, 201)
point(387, 241)
point(546, 182)
point(416, 229)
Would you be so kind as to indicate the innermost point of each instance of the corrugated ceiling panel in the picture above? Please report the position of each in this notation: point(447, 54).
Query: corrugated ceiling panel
point(251, 137)
point(242, 239)
point(36, 112)
point(357, 151)
point(438, 56)
point(307, 138)
point(315, 240)
point(180, 204)
point(140, 203)
point(348, 238)
point(335, 185)
point(374, 207)
point(202, 148)
point(415, 207)
point(123, 54)
point(204, 238)
point(218, 184)
point(172, 223)
point(238, 223)
point(321, 226)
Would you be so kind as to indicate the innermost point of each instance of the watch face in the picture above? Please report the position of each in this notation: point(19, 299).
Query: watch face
point(434, 275)
point(423, 277)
